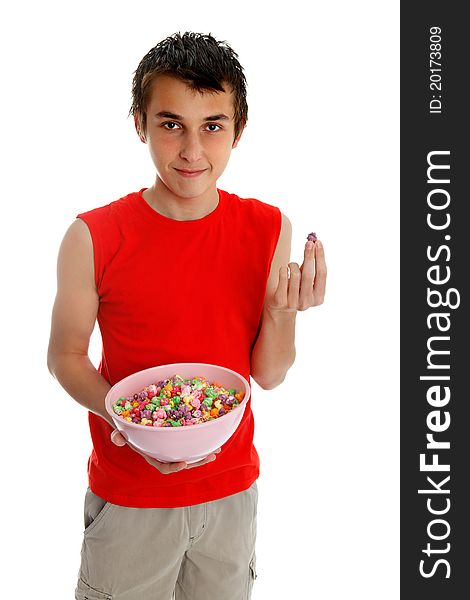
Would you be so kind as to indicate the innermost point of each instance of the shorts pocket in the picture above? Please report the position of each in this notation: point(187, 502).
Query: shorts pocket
point(252, 575)
point(95, 510)
point(86, 592)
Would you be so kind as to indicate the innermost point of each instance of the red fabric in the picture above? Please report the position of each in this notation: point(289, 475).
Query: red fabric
point(178, 291)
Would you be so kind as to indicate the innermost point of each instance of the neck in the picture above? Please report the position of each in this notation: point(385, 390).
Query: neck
point(179, 208)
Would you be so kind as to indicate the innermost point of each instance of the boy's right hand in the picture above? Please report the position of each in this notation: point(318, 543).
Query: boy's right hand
point(165, 468)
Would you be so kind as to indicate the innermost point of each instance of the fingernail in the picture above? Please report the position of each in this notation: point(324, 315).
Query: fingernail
point(319, 244)
point(309, 245)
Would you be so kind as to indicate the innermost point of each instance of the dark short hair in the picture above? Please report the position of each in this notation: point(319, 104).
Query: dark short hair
point(200, 61)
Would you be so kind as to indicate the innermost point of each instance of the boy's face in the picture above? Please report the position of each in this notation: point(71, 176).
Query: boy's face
point(189, 131)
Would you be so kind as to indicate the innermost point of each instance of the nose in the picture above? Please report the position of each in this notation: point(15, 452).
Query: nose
point(191, 147)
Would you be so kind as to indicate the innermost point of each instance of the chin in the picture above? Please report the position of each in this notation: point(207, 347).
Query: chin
point(188, 191)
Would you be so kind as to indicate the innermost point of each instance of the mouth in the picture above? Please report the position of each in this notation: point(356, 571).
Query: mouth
point(189, 173)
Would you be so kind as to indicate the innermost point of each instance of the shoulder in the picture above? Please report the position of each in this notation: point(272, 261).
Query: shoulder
point(107, 221)
point(256, 205)
point(265, 219)
point(75, 259)
point(255, 210)
point(78, 234)
point(107, 211)
point(285, 237)
point(95, 215)
point(286, 225)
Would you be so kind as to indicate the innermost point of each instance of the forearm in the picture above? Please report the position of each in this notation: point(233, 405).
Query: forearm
point(274, 351)
point(77, 375)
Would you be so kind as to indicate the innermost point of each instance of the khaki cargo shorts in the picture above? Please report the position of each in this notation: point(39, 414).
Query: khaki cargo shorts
point(200, 552)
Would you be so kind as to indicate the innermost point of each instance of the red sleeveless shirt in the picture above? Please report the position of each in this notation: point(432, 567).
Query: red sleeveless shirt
point(178, 291)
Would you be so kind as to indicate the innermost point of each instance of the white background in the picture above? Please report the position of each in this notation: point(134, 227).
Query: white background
point(322, 144)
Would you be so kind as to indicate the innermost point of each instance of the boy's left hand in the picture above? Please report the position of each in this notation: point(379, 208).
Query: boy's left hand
point(306, 285)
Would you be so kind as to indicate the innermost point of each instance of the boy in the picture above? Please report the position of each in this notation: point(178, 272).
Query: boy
point(179, 272)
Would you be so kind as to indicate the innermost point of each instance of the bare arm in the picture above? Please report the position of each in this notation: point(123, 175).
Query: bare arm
point(274, 351)
point(73, 320)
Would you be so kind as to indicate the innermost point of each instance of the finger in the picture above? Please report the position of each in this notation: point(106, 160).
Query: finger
point(320, 274)
point(280, 295)
point(308, 273)
point(208, 459)
point(117, 438)
point(294, 286)
point(309, 259)
point(179, 466)
point(184, 465)
point(165, 468)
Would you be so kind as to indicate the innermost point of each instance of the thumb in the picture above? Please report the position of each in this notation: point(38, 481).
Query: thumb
point(118, 438)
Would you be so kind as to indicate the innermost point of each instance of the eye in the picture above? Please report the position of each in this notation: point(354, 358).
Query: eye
point(169, 123)
point(214, 125)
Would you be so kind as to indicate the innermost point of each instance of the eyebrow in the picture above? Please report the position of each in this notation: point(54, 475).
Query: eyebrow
point(164, 114)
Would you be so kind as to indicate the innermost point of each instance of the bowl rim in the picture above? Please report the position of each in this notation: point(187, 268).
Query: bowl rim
point(140, 427)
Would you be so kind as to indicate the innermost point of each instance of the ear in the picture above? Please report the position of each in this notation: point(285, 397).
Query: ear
point(138, 128)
